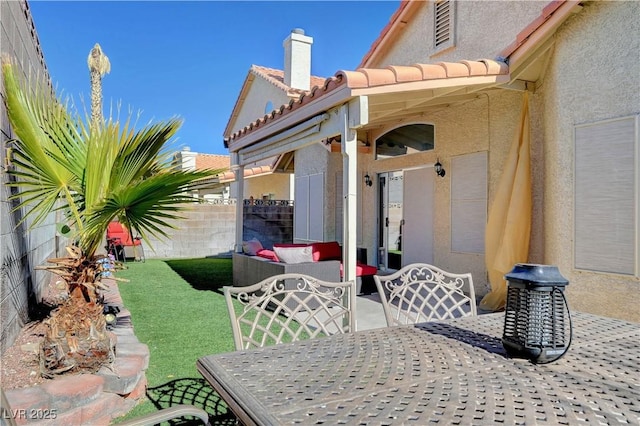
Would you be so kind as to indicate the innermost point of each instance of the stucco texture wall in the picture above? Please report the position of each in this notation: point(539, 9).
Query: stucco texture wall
point(488, 123)
point(253, 107)
point(278, 184)
point(498, 21)
point(594, 75)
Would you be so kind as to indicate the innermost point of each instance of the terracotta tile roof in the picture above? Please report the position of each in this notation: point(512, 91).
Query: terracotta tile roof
point(212, 161)
point(275, 77)
point(377, 77)
point(530, 29)
point(229, 176)
point(369, 78)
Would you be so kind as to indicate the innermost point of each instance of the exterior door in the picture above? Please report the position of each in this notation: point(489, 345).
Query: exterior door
point(417, 235)
point(390, 219)
point(405, 225)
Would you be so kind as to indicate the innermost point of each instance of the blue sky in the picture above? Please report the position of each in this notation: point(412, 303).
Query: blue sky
point(189, 59)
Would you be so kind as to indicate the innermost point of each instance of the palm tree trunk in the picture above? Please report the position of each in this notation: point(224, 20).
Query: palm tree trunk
point(99, 65)
point(96, 97)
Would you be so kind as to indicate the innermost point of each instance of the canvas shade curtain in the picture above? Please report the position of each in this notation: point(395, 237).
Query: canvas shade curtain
point(509, 224)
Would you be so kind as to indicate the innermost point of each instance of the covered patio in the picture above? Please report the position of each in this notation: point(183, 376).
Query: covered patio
point(339, 114)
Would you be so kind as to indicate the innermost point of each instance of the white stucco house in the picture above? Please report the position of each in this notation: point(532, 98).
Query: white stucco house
point(447, 83)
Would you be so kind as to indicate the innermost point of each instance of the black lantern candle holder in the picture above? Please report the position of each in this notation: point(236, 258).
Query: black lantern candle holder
point(536, 323)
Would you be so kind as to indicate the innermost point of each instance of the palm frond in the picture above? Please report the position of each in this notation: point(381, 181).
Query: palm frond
point(94, 173)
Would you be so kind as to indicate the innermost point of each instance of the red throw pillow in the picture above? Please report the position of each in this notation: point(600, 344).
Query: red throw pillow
point(327, 251)
point(268, 254)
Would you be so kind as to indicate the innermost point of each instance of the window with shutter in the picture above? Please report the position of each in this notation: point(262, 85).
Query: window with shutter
point(308, 218)
point(468, 202)
point(606, 206)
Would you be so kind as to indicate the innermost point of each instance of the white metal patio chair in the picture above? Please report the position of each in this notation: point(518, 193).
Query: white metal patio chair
point(420, 292)
point(289, 307)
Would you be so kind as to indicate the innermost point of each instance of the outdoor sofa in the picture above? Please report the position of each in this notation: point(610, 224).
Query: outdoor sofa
point(320, 260)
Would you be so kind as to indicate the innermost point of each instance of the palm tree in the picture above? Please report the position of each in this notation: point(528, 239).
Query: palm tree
point(92, 178)
point(99, 65)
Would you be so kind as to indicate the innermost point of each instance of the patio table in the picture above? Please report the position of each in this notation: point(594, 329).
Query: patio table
point(450, 372)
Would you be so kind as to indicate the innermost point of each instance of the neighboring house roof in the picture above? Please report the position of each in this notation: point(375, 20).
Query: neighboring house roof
point(261, 168)
point(271, 75)
point(450, 81)
point(223, 162)
point(212, 161)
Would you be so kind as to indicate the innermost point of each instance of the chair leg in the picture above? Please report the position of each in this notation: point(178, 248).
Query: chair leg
point(117, 251)
point(138, 253)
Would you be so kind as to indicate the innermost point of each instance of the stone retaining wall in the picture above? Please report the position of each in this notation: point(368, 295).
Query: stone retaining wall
point(90, 399)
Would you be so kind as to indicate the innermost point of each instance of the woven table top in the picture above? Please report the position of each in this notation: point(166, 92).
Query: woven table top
point(454, 372)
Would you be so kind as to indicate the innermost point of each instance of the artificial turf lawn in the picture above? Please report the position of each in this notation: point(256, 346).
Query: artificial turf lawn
point(178, 310)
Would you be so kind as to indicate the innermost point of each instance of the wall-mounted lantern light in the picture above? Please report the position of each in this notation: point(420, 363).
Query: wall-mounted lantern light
point(367, 180)
point(439, 169)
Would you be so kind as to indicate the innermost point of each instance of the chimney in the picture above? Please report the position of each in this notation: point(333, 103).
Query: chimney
point(297, 60)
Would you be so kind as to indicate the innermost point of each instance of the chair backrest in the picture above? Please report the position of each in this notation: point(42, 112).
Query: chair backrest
point(289, 307)
point(420, 292)
point(120, 234)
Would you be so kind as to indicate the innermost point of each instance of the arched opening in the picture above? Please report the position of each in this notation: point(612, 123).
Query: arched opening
point(405, 140)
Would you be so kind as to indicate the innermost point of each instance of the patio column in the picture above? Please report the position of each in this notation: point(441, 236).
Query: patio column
point(349, 148)
point(238, 170)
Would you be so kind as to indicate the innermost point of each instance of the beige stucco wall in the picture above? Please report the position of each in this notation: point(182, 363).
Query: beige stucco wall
point(279, 184)
point(498, 23)
point(594, 75)
point(260, 92)
point(486, 124)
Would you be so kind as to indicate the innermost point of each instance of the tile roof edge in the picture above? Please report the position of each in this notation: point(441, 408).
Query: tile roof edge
point(243, 90)
point(375, 77)
point(405, 11)
point(259, 70)
point(229, 176)
point(530, 29)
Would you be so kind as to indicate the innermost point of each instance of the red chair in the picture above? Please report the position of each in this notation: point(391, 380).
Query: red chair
point(118, 237)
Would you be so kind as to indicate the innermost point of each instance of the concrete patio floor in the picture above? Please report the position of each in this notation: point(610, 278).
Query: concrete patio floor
point(369, 312)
